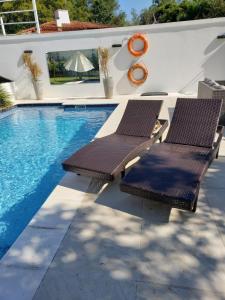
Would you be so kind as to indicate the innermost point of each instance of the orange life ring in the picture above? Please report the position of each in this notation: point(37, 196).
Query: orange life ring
point(138, 36)
point(130, 74)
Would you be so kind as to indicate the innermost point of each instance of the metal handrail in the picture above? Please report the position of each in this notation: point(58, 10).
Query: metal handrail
point(34, 10)
point(15, 23)
point(16, 11)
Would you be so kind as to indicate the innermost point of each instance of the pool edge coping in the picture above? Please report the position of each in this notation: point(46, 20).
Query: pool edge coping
point(60, 104)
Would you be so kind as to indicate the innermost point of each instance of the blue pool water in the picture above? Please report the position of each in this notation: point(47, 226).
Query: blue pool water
point(33, 143)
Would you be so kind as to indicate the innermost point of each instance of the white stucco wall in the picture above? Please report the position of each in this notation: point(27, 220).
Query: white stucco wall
point(180, 55)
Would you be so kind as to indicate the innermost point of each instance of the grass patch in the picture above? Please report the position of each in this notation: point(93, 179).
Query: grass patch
point(63, 80)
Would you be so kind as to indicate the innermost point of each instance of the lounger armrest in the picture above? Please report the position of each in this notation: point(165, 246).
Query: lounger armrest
point(158, 134)
point(220, 130)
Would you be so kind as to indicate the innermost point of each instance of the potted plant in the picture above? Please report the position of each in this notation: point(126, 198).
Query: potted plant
point(108, 80)
point(35, 72)
point(4, 98)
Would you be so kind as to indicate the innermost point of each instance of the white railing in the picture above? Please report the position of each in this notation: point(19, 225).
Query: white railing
point(34, 10)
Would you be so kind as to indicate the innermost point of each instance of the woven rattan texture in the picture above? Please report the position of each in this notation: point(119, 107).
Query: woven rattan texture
point(194, 122)
point(139, 118)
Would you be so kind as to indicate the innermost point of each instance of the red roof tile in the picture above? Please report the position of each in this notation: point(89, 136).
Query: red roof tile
point(73, 26)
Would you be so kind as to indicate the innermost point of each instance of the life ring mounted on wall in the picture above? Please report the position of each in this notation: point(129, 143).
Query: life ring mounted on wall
point(131, 71)
point(135, 37)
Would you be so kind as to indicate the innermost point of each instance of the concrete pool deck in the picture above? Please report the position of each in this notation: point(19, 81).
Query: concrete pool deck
point(90, 241)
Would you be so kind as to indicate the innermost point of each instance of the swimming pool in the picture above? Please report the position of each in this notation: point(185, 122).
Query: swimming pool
point(34, 141)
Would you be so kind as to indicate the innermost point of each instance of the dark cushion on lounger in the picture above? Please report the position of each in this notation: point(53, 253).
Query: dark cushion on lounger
point(194, 122)
point(105, 155)
point(168, 171)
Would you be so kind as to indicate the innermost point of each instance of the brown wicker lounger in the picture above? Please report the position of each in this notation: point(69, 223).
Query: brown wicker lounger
point(171, 172)
point(107, 157)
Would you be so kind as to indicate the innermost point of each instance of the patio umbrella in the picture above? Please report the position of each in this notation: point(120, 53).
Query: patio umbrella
point(78, 62)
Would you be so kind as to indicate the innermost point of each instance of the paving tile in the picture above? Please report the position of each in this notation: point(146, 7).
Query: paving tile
point(35, 247)
point(146, 291)
point(88, 286)
point(216, 202)
point(75, 182)
point(60, 208)
point(96, 255)
point(113, 198)
point(56, 213)
point(215, 176)
point(103, 226)
point(101, 238)
point(185, 250)
point(19, 283)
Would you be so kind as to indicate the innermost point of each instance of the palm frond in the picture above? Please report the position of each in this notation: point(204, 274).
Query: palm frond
point(32, 66)
point(104, 57)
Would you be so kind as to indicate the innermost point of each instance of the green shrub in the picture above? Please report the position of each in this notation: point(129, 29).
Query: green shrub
point(4, 98)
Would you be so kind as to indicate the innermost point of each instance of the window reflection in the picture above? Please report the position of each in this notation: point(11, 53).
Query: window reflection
point(68, 67)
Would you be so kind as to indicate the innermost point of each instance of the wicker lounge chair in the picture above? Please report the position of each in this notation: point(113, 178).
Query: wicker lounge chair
point(171, 172)
point(106, 157)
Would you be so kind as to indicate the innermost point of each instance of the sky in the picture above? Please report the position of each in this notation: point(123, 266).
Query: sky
point(127, 5)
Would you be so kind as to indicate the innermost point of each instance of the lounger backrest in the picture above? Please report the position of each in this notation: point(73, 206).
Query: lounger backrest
point(139, 118)
point(194, 122)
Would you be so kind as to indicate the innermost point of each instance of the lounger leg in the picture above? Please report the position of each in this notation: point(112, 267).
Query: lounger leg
point(217, 154)
point(160, 139)
point(195, 206)
point(122, 173)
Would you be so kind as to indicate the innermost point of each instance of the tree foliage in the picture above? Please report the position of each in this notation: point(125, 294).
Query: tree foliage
point(105, 11)
point(108, 12)
point(100, 11)
point(80, 10)
point(163, 11)
point(135, 17)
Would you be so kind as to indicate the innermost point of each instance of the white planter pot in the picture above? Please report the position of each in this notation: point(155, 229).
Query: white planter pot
point(38, 88)
point(108, 87)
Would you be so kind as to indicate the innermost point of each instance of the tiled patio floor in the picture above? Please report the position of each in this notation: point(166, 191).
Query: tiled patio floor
point(124, 247)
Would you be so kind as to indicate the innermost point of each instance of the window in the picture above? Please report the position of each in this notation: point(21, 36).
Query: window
point(73, 67)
